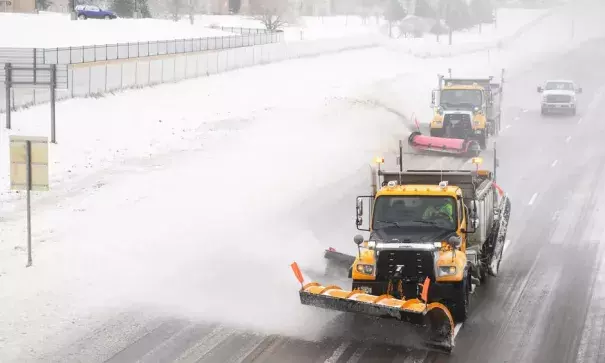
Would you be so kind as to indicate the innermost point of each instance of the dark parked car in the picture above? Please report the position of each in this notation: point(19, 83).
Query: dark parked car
point(93, 12)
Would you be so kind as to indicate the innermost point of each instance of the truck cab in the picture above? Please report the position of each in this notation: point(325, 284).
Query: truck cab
point(559, 95)
point(420, 230)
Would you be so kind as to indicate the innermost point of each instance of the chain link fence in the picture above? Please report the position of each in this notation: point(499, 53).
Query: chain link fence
point(92, 79)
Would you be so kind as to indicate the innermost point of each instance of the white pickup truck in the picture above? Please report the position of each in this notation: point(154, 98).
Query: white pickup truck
point(559, 95)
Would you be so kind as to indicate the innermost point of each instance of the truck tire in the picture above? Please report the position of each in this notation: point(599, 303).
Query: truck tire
point(461, 302)
point(573, 112)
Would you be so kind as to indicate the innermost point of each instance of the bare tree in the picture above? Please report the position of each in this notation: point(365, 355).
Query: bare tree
point(272, 13)
point(192, 9)
point(176, 6)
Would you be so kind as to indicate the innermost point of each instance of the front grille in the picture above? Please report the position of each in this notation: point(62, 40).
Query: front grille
point(558, 99)
point(457, 125)
point(416, 265)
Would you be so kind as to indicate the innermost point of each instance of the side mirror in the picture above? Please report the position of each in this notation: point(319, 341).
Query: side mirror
point(359, 210)
point(358, 239)
point(540, 89)
point(580, 90)
point(455, 241)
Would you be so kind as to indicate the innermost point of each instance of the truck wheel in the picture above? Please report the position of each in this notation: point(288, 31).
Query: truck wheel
point(573, 112)
point(460, 305)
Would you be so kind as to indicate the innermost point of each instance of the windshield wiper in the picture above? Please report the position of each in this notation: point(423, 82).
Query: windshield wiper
point(431, 223)
point(392, 223)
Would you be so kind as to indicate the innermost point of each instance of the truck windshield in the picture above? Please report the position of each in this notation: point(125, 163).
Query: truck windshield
point(566, 86)
point(461, 98)
point(415, 211)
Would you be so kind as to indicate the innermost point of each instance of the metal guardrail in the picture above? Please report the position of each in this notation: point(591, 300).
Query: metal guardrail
point(85, 54)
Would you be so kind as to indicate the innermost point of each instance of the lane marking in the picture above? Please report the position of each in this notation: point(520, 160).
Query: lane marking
point(524, 111)
point(555, 215)
point(358, 354)
point(419, 357)
point(554, 163)
point(457, 329)
point(517, 118)
point(508, 126)
point(568, 139)
point(533, 199)
point(338, 352)
point(580, 121)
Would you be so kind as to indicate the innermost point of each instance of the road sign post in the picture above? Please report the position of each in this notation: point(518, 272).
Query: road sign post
point(7, 83)
point(29, 172)
point(35, 75)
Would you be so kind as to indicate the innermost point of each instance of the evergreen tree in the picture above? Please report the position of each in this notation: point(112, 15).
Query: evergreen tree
point(127, 8)
point(43, 4)
point(424, 9)
point(123, 8)
point(482, 11)
point(457, 15)
point(394, 11)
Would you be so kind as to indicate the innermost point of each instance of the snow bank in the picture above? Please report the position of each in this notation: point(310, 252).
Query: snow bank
point(211, 160)
point(60, 31)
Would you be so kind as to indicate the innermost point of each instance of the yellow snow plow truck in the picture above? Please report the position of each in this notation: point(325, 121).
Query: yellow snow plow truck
point(467, 108)
point(434, 236)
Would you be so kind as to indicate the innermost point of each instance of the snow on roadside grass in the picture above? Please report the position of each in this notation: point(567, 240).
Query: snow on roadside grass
point(212, 209)
point(60, 31)
point(94, 134)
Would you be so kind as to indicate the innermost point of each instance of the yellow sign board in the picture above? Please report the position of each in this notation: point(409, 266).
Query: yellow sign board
point(39, 163)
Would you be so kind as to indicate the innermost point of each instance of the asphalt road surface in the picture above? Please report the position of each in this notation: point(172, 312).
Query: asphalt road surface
point(546, 305)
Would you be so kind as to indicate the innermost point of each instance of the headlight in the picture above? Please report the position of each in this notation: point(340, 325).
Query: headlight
point(365, 289)
point(447, 270)
point(365, 269)
point(371, 245)
point(440, 110)
point(544, 98)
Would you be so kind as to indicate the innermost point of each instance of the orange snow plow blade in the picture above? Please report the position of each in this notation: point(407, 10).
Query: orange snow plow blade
point(434, 318)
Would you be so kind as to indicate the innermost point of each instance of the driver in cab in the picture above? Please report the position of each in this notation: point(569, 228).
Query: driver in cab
point(439, 209)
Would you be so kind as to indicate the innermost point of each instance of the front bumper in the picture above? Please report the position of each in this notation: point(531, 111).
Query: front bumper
point(557, 106)
point(437, 291)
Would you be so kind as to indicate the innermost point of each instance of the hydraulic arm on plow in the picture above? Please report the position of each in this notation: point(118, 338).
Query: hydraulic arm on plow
point(434, 235)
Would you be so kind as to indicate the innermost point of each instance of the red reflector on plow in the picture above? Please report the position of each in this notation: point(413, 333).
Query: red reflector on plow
point(443, 144)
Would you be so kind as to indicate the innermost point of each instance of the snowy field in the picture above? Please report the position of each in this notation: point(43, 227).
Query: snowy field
point(180, 158)
point(62, 32)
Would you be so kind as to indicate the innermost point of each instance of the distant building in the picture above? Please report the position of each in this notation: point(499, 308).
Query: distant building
point(17, 6)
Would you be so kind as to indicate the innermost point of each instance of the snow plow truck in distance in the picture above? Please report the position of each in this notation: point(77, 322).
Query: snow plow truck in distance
point(434, 236)
point(467, 108)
